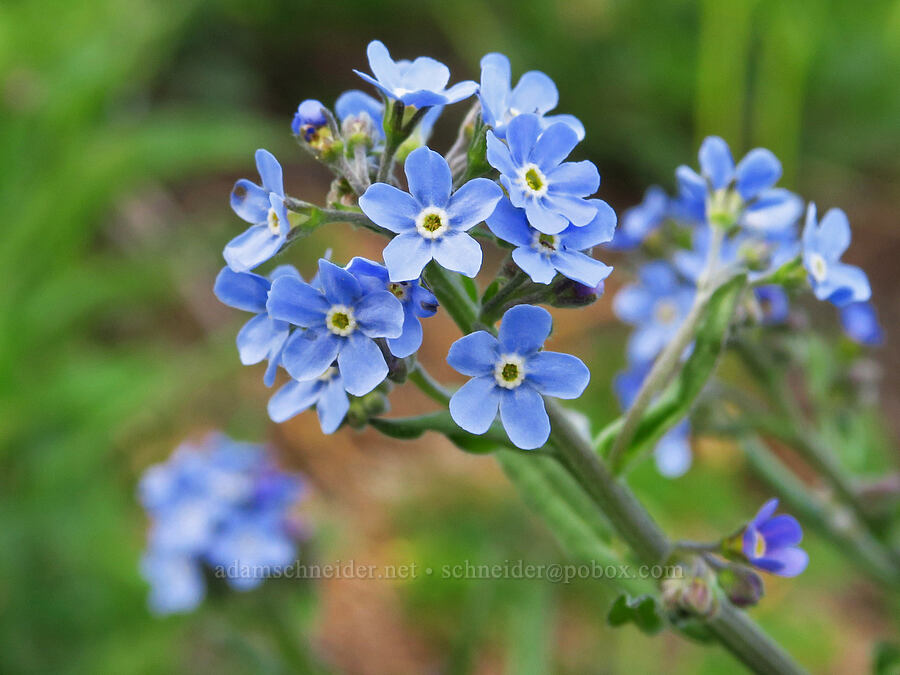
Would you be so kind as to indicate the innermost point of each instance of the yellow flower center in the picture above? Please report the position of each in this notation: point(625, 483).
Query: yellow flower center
point(509, 372)
point(340, 320)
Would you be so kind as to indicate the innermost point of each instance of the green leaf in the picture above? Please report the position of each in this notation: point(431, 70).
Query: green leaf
point(470, 288)
point(643, 611)
point(491, 291)
point(886, 659)
point(676, 401)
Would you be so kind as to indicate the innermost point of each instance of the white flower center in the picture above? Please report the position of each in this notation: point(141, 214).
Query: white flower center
point(273, 222)
point(666, 312)
point(533, 180)
point(759, 545)
point(724, 206)
point(509, 371)
point(818, 267)
point(432, 222)
point(340, 320)
point(545, 243)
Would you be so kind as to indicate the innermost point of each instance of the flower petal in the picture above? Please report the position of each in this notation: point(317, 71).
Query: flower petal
point(474, 354)
point(573, 122)
point(534, 93)
point(716, 162)
point(510, 224)
point(362, 364)
point(379, 314)
point(382, 65)
point(292, 399)
point(524, 417)
point(834, 234)
point(390, 207)
point(521, 134)
point(773, 210)
point(242, 290)
point(553, 146)
point(251, 248)
point(788, 562)
point(495, 81)
point(574, 178)
point(523, 329)
point(600, 230)
point(406, 256)
point(576, 210)
point(845, 284)
point(460, 91)
point(580, 267)
point(673, 452)
point(250, 201)
point(410, 338)
point(309, 353)
point(270, 172)
point(296, 302)
point(458, 252)
point(339, 285)
point(498, 155)
point(474, 405)
point(534, 264)
point(759, 170)
point(425, 73)
point(556, 374)
point(781, 531)
point(472, 203)
point(429, 177)
point(544, 218)
point(333, 405)
point(260, 337)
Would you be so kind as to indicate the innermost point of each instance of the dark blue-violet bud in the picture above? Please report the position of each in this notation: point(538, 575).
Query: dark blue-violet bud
point(309, 118)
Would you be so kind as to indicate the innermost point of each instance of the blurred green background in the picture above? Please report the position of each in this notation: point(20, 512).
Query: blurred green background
point(123, 124)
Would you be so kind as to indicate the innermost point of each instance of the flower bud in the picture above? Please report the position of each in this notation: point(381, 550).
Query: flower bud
point(742, 586)
point(309, 118)
point(694, 592)
point(568, 293)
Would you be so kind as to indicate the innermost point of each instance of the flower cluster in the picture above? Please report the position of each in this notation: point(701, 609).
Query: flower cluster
point(220, 503)
point(351, 333)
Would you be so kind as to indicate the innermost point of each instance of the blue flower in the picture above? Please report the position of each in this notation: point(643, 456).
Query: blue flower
point(418, 303)
point(535, 93)
point(510, 372)
point(726, 194)
point(639, 221)
point(326, 392)
point(310, 117)
point(672, 453)
point(860, 322)
point(357, 106)
point(430, 222)
point(543, 255)
point(656, 306)
point(532, 170)
point(773, 302)
point(262, 337)
point(770, 542)
point(216, 503)
point(262, 207)
point(823, 246)
point(420, 83)
point(250, 546)
point(342, 321)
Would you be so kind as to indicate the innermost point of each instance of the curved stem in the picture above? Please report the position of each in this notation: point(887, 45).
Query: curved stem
point(429, 386)
point(493, 307)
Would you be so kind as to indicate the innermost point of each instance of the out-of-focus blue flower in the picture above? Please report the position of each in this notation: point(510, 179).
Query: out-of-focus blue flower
point(418, 303)
point(773, 302)
point(823, 246)
point(262, 337)
point(310, 117)
point(672, 454)
point(541, 255)
point(510, 372)
point(420, 83)
point(552, 192)
point(535, 93)
point(725, 194)
point(357, 107)
point(860, 322)
point(639, 221)
point(262, 207)
point(198, 501)
point(342, 321)
point(770, 542)
point(326, 392)
point(656, 306)
point(430, 222)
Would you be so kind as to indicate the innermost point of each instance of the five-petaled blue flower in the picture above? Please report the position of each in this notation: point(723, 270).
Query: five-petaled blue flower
point(535, 93)
point(639, 221)
point(326, 392)
point(263, 207)
point(727, 195)
point(823, 246)
point(262, 337)
point(510, 372)
point(418, 303)
point(860, 322)
point(430, 222)
point(310, 117)
point(420, 83)
point(552, 192)
point(656, 306)
point(541, 255)
point(342, 321)
point(770, 542)
point(672, 453)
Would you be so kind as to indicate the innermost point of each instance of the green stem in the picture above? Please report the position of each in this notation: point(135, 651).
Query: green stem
point(318, 216)
point(429, 386)
point(492, 309)
point(393, 139)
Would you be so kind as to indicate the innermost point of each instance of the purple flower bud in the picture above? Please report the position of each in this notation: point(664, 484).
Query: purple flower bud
point(309, 117)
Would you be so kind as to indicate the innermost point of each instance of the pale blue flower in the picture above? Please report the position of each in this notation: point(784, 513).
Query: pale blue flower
point(640, 221)
point(860, 322)
point(823, 246)
point(325, 392)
